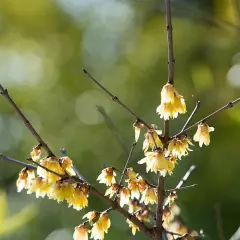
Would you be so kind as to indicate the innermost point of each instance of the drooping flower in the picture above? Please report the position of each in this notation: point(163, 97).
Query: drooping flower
point(134, 206)
point(131, 174)
point(91, 216)
point(155, 161)
point(202, 135)
point(101, 226)
point(36, 153)
point(137, 127)
point(144, 216)
point(80, 233)
point(134, 227)
point(149, 196)
point(179, 147)
point(79, 199)
point(107, 176)
point(40, 186)
point(152, 139)
point(141, 184)
point(53, 164)
point(25, 178)
point(124, 195)
point(67, 166)
point(172, 103)
point(112, 190)
point(133, 187)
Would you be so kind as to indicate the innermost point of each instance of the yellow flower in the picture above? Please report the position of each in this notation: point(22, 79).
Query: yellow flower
point(124, 196)
point(52, 164)
point(141, 184)
point(61, 190)
point(134, 206)
point(144, 216)
point(133, 187)
point(133, 226)
point(179, 147)
point(25, 178)
point(107, 176)
point(155, 161)
point(152, 139)
point(80, 233)
point(112, 190)
point(90, 216)
point(172, 103)
point(202, 135)
point(149, 196)
point(131, 174)
point(137, 126)
point(40, 186)
point(101, 226)
point(79, 198)
point(67, 166)
point(36, 153)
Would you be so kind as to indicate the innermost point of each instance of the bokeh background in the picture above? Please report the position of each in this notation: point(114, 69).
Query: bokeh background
point(43, 46)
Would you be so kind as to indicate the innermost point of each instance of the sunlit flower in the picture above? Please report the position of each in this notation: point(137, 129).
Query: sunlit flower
point(134, 206)
point(40, 186)
point(141, 184)
point(51, 163)
point(155, 161)
point(133, 187)
point(179, 146)
point(149, 196)
point(131, 174)
point(107, 176)
point(124, 196)
point(61, 190)
point(36, 153)
point(144, 216)
point(152, 140)
point(79, 199)
point(133, 226)
point(202, 135)
point(67, 166)
point(171, 198)
point(101, 226)
point(112, 190)
point(25, 178)
point(137, 127)
point(80, 233)
point(91, 216)
point(172, 103)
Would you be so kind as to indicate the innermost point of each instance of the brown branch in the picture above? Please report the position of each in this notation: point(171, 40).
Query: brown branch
point(171, 61)
point(229, 105)
point(5, 94)
point(217, 209)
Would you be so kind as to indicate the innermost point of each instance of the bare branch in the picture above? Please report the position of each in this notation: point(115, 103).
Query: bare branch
point(5, 94)
point(181, 188)
point(217, 209)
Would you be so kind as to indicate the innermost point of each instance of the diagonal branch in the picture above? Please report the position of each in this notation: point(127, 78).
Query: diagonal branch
point(5, 94)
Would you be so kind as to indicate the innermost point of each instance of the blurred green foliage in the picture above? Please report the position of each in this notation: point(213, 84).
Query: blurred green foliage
point(43, 46)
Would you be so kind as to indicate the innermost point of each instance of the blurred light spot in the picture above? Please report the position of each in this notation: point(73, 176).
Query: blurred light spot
point(86, 106)
point(233, 75)
point(202, 77)
point(60, 234)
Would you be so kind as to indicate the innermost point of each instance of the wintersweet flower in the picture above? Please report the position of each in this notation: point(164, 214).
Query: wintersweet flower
point(144, 216)
point(155, 161)
point(134, 206)
point(131, 174)
point(141, 184)
point(152, 140)
point(101, 226)
point(112, 190)
point(134, 227)
point(107, 176)
point(149, 196)
point(25, 178)
point(91, 216)
point(179, 147)
point(137, 127)
point(172, 103)
point(133, 187)
point(40, 186)
point(124, 196)
point(202, 135)
point(80, 233)
point(53, 164)
point(67, 166)
point(36, 153)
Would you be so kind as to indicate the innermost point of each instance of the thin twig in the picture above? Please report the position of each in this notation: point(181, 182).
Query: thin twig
point(171, 61)
point(181, 188)
point(191, 116)
point(217, 209)
point(5, 94)
point(9, 159)
point(182, 181)
point(113, 129)
point(229, 105)
point(116, 99)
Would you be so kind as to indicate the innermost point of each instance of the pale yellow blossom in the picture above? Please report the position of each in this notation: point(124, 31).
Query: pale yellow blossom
point(80, 233)
point(107, 176)
point(149, 196)
point(202, 135)
point(134, 227)
point(25, 178)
